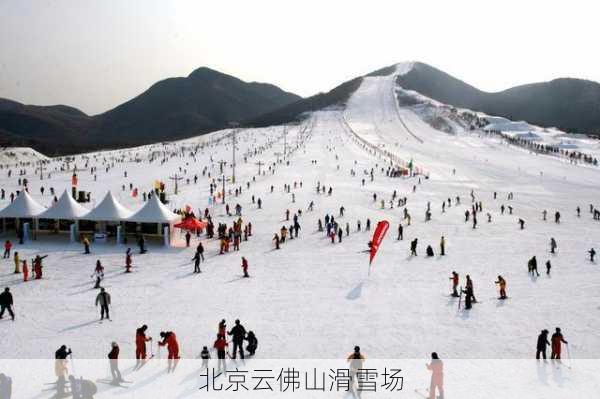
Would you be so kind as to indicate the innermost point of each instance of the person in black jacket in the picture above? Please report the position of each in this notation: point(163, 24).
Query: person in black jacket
point(542, 343)
point(252, 343)
point(6, 302)
point(239, 334)
point(113, 359)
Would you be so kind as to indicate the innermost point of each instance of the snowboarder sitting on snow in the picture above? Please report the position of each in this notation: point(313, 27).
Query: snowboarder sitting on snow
point(252, 343)
point(429, 251)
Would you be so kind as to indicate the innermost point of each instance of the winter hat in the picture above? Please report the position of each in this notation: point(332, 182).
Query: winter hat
point(357, 348)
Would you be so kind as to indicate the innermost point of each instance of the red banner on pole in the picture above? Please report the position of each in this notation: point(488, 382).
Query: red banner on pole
point(378, 235)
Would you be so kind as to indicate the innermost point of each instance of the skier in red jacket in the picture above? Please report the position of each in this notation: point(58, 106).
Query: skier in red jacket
point(140, 345)
point(557, 339)
point(221, 345)
point(170, 341)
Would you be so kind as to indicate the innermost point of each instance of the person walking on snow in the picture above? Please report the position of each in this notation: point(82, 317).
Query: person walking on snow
point(221, 345)
point(400, 232)
point(454, 280)
point(502, 284)
point(542, 343)
point(437, 376)
point(128, 261)
point(442, 246)
point(239, 334)
point(196, 260)
point(6, 303)
point(86, 245)
point(356, 360)
point(553, 245)
point(413, 247)
point(592, 253)
point(7, 248)
point(103, 299)
point(557, 341)
point(532, 266)
point(17, 261)
point(98, 274)
point(245, 267)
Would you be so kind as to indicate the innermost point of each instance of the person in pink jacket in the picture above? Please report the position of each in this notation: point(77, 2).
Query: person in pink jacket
point(437, 376)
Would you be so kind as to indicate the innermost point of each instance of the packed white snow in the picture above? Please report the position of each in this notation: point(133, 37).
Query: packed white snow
point(312, 298)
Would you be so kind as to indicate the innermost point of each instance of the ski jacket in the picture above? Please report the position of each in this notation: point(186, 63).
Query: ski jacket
point(542, 342)
point(220, 344)
point(6, 299)
point(114, 353)
point(238, 332)
point(170, 341)
point(437, 370)
point(140, 338)
point(103, 299)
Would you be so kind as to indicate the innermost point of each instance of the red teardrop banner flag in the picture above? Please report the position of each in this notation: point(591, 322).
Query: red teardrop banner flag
point(378, 235)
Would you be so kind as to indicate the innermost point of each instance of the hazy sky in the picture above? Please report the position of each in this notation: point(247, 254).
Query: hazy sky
point(96, 54)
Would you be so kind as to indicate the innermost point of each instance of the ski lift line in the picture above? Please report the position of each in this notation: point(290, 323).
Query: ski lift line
point(382, 153)
point(396, 108)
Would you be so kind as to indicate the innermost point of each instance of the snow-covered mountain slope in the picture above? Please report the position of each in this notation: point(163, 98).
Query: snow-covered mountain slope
point(15, 155)
point(312, 298)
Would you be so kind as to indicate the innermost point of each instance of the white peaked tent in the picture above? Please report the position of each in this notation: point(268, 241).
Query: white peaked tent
point(23, 207)
point(109, 210)
point(66, 209)
point(154, 211)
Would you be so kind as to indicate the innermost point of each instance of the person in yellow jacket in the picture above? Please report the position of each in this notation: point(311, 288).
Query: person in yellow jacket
point(17, 263)
point(502, 283)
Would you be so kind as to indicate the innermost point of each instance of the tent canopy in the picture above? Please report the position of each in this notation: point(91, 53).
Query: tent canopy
point(22, 207)
point(66, 208)
point(191, 223)
point(154, 211)
point(109, 210)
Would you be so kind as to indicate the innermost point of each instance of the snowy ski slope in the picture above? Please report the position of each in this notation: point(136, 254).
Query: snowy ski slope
point(314, 299)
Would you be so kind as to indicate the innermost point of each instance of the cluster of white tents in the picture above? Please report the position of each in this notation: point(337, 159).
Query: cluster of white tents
point(108, 212)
